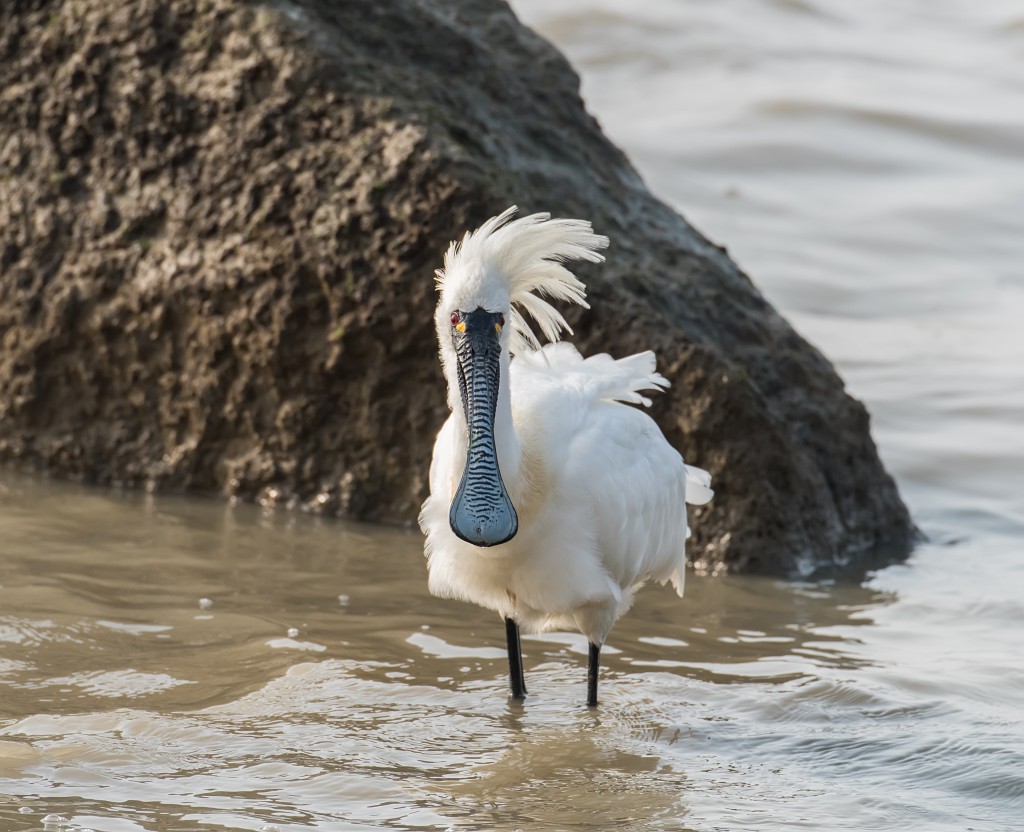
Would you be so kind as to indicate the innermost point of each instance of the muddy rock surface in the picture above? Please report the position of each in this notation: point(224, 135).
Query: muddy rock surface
point(218, 227)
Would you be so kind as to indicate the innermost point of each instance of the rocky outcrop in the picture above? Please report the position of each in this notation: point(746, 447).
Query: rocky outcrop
point(218, 227)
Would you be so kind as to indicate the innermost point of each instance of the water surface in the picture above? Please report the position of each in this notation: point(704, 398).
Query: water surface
point(181, 664)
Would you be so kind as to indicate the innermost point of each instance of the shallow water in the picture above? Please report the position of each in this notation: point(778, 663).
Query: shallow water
point(182, 664)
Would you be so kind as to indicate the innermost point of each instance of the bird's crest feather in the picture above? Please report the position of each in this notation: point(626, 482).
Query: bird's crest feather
point(526, 256)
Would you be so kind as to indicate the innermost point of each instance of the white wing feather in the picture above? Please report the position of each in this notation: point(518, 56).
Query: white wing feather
point(635, 481)
point(599, 377)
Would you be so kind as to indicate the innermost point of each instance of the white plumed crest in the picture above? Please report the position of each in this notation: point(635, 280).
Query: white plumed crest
point(523, 259)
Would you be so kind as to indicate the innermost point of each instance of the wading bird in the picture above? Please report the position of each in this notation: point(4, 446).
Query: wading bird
point(551, 499)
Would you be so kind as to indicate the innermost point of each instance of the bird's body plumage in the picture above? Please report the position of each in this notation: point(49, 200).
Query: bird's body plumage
point(599, 495)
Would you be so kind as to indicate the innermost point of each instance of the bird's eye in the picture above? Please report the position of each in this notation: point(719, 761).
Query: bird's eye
point(501, 319)
point(455, 319)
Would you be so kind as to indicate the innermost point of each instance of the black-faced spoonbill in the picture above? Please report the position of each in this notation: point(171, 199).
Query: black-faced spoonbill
point(551, 500)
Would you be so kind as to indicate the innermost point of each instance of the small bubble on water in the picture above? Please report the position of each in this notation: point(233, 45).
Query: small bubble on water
point(54, 820)
point(269, 827)
point(343, 600)
point(205, 603)
point(293, 632)
point(25, 810)
point(424, 626)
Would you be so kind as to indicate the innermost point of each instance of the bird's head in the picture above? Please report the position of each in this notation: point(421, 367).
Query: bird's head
point(504, 268)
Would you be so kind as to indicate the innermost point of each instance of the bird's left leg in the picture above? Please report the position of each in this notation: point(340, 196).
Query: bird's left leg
point(516, 677)
point(593, 662)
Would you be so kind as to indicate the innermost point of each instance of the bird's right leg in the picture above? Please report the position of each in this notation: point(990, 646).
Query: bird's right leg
point(517, 681)
point(593, 664)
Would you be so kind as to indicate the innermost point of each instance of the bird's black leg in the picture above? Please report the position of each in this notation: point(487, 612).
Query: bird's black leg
point(517, 681)
point(593, 663)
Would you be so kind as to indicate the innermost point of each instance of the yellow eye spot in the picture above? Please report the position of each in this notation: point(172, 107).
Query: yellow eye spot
point(497, 327)
point(460, 326)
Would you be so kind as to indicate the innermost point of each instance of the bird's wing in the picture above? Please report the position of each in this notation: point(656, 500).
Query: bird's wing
point(611, 457)
point(599, 377)
point(637, 484)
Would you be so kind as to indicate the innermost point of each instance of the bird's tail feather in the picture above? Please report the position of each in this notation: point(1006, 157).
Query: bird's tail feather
point(698, 486)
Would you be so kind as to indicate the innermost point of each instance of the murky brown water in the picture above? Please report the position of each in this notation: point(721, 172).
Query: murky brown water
point(128, 703)
point(864, 161)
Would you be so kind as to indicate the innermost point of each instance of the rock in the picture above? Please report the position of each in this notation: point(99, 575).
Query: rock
point(218, 228)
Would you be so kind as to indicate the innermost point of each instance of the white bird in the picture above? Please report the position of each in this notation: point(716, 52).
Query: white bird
point(551, 499)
